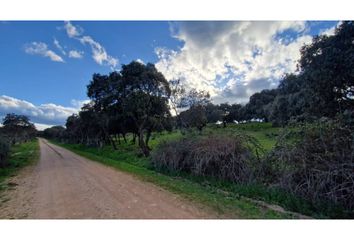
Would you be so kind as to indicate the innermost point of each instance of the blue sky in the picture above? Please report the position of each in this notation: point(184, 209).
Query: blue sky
point(45, 66)
point(40, 80)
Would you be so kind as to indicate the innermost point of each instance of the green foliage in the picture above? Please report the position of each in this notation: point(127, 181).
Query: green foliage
point(256, 107)
point(327, 68)
point(20, 156)
point(55, 132)
point(133, 100)
point(18, 128)
point(224, 196)
point(323, 86)
point(194, 117)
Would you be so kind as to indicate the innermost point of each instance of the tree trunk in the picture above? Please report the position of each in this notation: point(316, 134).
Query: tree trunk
point(134, 138)
point(142, 144)
point(118, 138)
point(147, 138)
point(125, 140)
point(112, 142)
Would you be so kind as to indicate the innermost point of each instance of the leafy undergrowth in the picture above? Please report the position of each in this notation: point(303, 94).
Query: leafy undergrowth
point(226, 199)
point(21, 155)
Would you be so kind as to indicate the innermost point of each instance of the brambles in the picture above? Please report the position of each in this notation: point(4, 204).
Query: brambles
point(312, 162)
point(226, 157)
point(319, 166)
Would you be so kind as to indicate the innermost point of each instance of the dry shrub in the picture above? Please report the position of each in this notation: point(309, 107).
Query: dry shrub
point(219, 156)
point(319, 166)
point(4, 151)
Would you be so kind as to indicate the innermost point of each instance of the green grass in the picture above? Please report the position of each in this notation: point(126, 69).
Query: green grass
point(263, 132)
point(224, 198)
point(21, 155)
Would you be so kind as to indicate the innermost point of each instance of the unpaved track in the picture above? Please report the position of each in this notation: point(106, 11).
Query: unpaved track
point(65, 185)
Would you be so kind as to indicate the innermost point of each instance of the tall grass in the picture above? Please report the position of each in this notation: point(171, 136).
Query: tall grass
point(21, 155)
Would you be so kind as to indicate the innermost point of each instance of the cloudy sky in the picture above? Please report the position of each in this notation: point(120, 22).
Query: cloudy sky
point(45, 66)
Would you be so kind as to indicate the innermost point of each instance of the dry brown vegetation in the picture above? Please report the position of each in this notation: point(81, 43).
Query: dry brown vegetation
point(314, 162)
point(319, 166)
point(225, 157)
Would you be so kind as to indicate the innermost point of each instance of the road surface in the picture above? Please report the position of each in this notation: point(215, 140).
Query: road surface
point(65, 185)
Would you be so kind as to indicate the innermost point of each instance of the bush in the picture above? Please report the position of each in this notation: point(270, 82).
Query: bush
point(222, 157)
point(318, 166)
point(4, 151)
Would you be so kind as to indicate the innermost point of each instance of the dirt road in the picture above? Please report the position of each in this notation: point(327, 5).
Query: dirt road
point(65, 185)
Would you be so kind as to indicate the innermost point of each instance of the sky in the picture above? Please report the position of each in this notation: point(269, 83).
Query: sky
point(45, 66)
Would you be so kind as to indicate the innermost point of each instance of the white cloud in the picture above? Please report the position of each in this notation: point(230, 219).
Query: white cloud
point(76, 54)
point(40, 48)
point(99, 53)
point(71, 30)
point(330, 31)
point(79, 103)
point(140, 61)
point(41, 127)
point(49, 113)
point(232, 60)
point(59, 47)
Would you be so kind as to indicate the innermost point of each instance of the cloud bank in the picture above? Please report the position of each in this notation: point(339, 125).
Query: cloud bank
point(233, 60)
point(45, 114)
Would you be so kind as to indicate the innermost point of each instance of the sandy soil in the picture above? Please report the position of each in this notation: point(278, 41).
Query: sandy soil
point(65, 185)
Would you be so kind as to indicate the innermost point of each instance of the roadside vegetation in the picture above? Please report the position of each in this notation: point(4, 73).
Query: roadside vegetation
point(205, 179)
point(20, 155)
point(292, 145)
point(220, 196)
point(18, 146)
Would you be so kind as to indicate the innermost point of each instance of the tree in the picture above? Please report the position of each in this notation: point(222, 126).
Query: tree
point(144, 98)
point(255, 108)
point(292, 91)
point(104, 90)
point(234, 113)
point(181, 99)
point(324, 85)
point(18, 128)
point(194, 97)
point(74, 129)
point(194, 117)
point(279, 111)
point(94, 127)
point(196, 101)
point(327, 67)
point(178, 92)
point(134, 99)
point(55, 132)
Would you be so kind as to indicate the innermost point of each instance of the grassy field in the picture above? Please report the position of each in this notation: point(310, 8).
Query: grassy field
point(228, 199)
point(21, 155)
